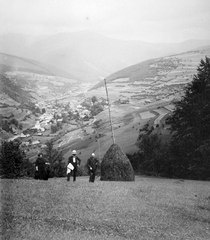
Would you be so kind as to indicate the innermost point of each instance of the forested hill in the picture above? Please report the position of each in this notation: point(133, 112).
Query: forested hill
point(15, 63)
point(14, 91)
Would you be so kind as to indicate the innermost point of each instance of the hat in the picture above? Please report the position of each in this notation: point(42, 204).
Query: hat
point(74, 152)
point(93, 154)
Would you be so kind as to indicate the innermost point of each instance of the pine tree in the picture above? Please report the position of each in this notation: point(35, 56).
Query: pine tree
point(190, 126)
point(152, 155)
point(57, 167)
point(13, 161)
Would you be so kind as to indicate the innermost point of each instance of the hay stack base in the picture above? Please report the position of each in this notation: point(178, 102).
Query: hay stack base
point(116, 166)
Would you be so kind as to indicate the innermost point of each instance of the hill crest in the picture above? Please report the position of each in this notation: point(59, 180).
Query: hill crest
point(89, 56)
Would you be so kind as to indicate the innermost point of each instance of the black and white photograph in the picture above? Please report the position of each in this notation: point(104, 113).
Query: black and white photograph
point(104, 119)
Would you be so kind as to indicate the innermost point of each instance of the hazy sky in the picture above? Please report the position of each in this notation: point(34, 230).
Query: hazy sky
point(147, 20)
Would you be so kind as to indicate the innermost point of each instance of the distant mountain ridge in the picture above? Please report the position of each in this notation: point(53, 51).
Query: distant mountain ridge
point(89, 56)
point(10, 62)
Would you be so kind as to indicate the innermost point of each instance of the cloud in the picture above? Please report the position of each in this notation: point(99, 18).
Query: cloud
point(151, 20)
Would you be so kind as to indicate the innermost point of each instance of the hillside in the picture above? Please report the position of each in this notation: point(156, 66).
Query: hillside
point(153, 79)
point(14, 91)
point(149, 208)
point(25, 87)
point(89, 56)
point(24, 80)
point(140, 94)
point(10, 63)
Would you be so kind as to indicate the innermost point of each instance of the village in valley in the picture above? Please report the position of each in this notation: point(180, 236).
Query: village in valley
point(54, 119)
point(67, 111)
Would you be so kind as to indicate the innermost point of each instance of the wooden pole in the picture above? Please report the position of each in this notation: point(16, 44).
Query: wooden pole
point(99, 149)
point(110, 117)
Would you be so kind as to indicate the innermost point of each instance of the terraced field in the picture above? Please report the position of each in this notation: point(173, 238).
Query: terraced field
point(153, 80)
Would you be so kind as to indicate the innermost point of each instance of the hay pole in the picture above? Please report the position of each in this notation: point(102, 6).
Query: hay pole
point(110, 117)
point(99, 148)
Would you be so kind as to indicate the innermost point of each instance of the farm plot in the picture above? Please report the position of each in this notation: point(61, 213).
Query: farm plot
point(178, 81)
point(146, 115)
point(71, 136)
point(170, 107)
point(15, 112)
point(9, 101)
point(119, 80)
point(162, 112)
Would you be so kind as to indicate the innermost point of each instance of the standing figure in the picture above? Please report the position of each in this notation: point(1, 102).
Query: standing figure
point(40, 167)
point(92, 164)
point(75, 161)
point(47, 170)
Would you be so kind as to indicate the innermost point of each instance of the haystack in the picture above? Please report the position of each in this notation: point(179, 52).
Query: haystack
point(116, 166)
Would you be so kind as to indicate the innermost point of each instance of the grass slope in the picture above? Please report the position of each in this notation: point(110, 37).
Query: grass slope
point(15, 63)
point(14, 91)
point(148, 208)
point(127, 122)
point(126, 131)
point(141, 70)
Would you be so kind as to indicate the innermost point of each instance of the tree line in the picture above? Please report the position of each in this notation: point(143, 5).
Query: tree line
point(15, 164)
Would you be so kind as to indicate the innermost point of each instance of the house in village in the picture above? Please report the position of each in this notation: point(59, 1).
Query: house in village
point(123, 101)
point(35, 142)
point(147, 101)
point(85, 114)
point(43, 146)
point(25, 144)
point(38, 127)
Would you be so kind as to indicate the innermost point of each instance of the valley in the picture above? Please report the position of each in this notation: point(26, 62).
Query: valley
point(63, 109)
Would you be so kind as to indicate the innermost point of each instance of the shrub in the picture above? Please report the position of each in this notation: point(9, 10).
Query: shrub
point(94, 99)
point(54, 128)
point(153, 157)
point(15, 122)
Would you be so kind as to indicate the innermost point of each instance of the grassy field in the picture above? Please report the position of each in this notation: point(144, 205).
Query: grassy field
point(126, 125)
point(126, 131)
point(149, 208)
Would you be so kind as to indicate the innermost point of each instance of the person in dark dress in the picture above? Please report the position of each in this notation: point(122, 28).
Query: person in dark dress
point(92, 164)
point(40, 167)
point(75, 161)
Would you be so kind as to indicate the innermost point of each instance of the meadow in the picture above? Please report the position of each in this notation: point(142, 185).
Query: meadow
point(149, 208)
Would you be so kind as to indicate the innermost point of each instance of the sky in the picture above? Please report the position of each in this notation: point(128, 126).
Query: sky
point(146, 20)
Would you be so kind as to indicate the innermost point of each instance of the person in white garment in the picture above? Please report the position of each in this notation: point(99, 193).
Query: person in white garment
point(73, 163)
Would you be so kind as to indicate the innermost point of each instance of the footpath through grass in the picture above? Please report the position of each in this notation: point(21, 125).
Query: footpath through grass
point(148, 208)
